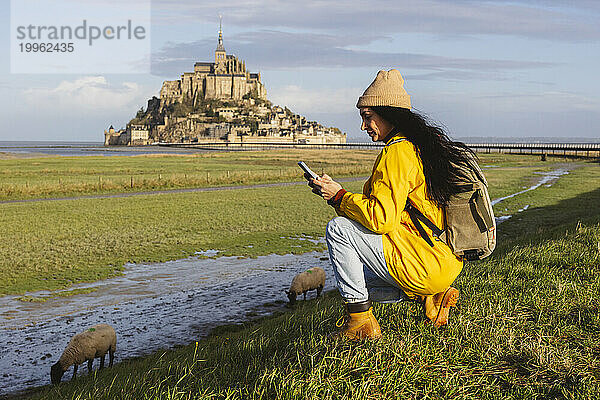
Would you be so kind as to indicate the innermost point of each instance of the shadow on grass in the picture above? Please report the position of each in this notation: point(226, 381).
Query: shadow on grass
point(538, 296)
point(548, 385)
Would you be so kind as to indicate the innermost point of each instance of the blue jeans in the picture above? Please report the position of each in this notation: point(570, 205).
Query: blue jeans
point(359, 265)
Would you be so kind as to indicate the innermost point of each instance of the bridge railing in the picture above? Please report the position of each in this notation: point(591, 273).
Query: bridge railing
point(565, 149)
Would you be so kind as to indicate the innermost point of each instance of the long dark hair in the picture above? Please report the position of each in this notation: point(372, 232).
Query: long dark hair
point(435, 149)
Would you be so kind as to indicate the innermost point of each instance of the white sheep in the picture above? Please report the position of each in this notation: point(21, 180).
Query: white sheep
point(310, 279)
point(85, 346)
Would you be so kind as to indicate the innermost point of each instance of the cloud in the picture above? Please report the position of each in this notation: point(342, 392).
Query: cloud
point(87, 94)
point(270, 49)
point(490, 111)
point(547, 20)
point(545, 101)
point(458, 75)
point(305, 101)
point(78, 109)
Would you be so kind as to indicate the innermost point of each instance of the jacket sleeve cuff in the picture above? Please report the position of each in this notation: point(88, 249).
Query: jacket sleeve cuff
point(336, 200)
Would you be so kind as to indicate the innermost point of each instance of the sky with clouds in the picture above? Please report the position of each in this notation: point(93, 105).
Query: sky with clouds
point(486, 68)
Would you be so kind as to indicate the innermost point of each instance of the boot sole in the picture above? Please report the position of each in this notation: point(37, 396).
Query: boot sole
point(450, 299)
point(358, 334)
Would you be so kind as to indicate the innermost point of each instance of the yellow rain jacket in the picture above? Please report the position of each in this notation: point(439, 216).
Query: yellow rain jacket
point(397, 175)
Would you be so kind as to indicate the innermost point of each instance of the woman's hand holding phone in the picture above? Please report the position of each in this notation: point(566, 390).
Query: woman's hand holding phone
point(327, 186)
point(323, 186)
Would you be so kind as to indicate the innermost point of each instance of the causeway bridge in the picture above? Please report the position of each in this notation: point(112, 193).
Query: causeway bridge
point(586, 150)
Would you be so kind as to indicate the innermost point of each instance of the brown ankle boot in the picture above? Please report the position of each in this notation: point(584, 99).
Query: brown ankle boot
point(437, 306)
point(360, 323)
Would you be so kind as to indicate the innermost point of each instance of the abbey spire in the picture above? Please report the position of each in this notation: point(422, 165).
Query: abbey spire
point(220, 51)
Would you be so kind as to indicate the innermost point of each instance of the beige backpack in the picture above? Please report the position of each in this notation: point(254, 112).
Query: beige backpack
point(470, 226)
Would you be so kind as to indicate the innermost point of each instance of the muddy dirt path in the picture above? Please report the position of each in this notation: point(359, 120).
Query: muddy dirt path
point(188, 190)
point(543, 178)
point(151, 307)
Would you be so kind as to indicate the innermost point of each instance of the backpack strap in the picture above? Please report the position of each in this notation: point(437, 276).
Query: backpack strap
point(417, 217)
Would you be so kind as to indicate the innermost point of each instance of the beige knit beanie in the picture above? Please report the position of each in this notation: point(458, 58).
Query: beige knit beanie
point(386, 90)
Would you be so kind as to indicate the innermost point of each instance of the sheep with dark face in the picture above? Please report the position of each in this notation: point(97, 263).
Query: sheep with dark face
point(310, 279)
point(85, 346)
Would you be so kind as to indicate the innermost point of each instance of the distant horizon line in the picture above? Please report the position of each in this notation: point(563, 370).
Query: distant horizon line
point(472, 139)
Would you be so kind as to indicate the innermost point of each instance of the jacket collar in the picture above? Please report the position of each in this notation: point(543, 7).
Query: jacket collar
point(393, 135)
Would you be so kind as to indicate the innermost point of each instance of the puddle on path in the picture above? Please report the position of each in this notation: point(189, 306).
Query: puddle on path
point(152, 307)
point(547, 178)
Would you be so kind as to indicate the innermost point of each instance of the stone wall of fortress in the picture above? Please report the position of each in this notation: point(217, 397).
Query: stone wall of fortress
point(295, 139)
point(223, 80)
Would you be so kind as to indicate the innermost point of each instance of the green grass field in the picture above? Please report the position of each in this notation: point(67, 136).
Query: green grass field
point(526, 325)
point(27, 178)
point(52, 245)
point(69, 176)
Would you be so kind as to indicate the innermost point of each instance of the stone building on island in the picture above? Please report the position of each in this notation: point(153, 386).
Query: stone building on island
point(112, 137)
point(220, 102)
point(225, 78)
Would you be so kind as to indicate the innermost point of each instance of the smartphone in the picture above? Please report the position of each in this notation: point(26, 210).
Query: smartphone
point(305, 168)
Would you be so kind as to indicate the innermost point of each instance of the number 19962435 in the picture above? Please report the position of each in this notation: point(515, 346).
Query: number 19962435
point(46, 47)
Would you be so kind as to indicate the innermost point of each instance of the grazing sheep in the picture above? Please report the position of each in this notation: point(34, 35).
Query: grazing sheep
point(93, 343)
point(310, 279)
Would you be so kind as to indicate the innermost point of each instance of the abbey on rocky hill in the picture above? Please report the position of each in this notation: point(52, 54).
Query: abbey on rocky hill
point(220, 102)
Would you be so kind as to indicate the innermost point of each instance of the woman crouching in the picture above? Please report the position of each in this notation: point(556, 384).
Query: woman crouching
point(376, 251)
